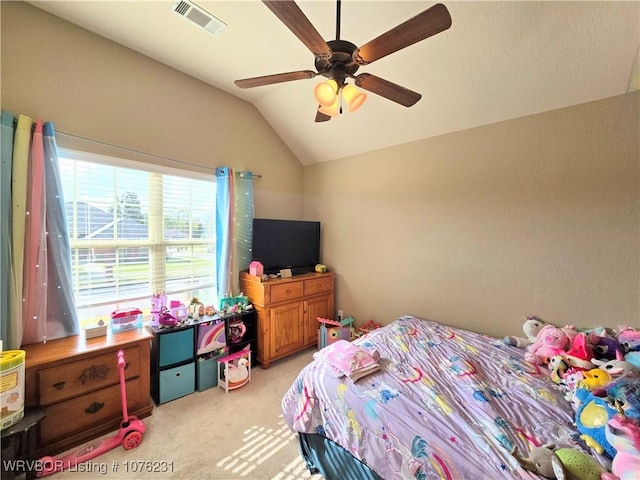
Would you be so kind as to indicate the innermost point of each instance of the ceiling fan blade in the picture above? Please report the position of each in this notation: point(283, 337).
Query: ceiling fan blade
point(295, 20)
point(433, 20)
point(275, 78)
point(387, 89)
point(321, 117)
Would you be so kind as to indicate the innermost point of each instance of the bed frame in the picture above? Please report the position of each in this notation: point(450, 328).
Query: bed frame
point(333, 462)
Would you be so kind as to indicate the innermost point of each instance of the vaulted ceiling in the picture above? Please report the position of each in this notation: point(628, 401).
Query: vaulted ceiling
point(498, 61)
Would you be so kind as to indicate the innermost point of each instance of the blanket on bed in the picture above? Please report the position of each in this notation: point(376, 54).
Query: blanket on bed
point(445, 403)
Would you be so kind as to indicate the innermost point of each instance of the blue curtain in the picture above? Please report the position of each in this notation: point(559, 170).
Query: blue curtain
point(234, 227)
point(60, 297)
point(7, 333)
point(37, 299)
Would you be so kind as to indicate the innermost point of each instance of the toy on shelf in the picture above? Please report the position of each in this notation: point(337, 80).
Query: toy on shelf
point(234, 370)
point(337, 330)
point(226, 302)
point(237, 330)
point(158, 303)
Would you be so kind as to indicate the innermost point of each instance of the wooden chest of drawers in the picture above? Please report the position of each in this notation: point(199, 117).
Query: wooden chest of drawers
point(287, 310)
point(76, 382)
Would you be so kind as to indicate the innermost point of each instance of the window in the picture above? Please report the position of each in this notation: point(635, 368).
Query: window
point(135, 230)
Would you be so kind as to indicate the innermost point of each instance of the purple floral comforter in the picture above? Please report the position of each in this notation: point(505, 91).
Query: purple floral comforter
point(447, 403)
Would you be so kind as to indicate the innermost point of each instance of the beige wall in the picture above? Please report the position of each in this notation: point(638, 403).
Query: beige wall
point(538, 215)
point(96, 89)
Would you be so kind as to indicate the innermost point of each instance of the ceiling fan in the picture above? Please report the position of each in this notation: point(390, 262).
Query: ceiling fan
point(339, 59)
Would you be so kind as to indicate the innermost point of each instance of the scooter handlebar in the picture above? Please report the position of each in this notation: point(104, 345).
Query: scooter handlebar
point(121, 361)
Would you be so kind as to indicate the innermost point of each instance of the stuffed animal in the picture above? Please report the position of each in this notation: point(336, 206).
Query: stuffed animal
point(629, 338)
point(606, 348)
point(558, 368)
point(571, 379)
point(618, 367)
point(594, 379)
point(580, 353)
point(560, 463)
point(624, 393)
point(624, 435)
point(531, 327)
point(591, 417)
point(550, 341)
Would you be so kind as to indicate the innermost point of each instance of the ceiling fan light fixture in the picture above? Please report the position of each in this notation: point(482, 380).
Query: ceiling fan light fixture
point(332, 110)
point(326, 93)
point(353, 97)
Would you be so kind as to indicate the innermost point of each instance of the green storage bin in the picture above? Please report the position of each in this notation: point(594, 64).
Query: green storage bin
point(207, 372)
point(177, 382)
point(176, 347)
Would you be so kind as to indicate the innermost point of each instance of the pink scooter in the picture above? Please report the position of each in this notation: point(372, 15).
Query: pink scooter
point(129, 435)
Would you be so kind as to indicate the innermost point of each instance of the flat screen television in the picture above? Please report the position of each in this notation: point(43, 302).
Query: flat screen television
point(280, 244)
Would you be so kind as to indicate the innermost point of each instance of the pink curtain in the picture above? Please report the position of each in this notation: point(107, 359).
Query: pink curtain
point(34, 287)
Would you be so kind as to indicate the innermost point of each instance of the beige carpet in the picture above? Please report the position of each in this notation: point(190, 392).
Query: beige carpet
point(214, 435)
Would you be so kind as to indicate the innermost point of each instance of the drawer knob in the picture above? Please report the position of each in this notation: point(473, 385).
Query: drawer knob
point(58, 385)
point(94, 372)
point(95, 407)
point(288, 291)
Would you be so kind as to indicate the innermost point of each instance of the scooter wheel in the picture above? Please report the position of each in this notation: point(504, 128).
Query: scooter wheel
point(132, 439)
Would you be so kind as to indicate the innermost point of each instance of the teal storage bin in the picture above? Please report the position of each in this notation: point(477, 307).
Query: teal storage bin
point(207, 372)
point(176, 347)
point(177, 382)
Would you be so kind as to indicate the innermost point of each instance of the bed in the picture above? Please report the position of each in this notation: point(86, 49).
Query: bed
point(445, 403)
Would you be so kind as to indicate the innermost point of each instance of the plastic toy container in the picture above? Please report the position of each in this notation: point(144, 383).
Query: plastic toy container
point(126, 319)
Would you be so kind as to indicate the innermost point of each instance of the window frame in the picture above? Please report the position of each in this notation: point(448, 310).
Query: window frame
point(155, 243)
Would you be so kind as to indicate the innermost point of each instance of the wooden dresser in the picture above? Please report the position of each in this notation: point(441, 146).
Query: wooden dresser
point(76, 382)
point(287, 310)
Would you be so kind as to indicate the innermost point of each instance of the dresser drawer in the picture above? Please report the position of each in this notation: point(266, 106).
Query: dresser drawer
point(286, 291)
point(88, 410)
point(318, 285)
point(82, 376)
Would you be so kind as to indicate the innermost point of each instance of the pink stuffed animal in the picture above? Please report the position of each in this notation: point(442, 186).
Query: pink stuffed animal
point(624, 435)
point(550, 341)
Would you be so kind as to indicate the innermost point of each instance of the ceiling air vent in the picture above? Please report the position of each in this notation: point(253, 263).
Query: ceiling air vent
point(197, 15)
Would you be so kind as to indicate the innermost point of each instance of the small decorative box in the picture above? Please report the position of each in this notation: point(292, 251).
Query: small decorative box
point(256, 269)
point(96, 330)
point(126, 319)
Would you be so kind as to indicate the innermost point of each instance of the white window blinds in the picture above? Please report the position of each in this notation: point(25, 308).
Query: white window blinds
point(135, 230)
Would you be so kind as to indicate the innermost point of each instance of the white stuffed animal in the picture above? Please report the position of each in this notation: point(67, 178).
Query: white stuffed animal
point(531, 327)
